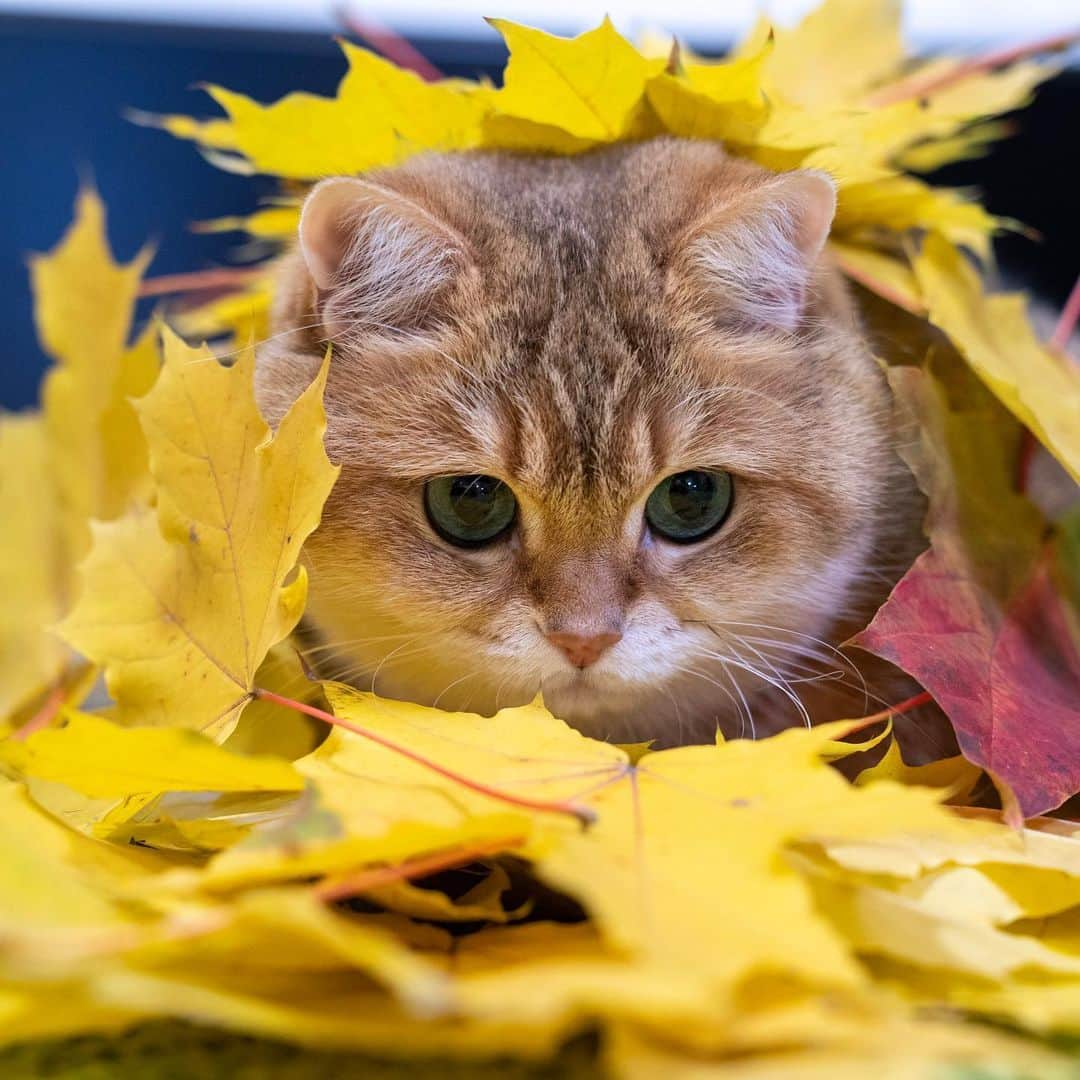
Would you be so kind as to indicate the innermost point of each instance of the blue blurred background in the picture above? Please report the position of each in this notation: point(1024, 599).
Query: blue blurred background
point(70, 68)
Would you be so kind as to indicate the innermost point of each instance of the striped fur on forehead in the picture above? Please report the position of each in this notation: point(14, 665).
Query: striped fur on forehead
point(605, 320)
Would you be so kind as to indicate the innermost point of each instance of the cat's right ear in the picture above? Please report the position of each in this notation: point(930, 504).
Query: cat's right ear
point(753, 257)
point(382, 264)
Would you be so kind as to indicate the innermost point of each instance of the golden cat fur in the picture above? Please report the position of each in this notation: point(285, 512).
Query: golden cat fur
point(581, 328)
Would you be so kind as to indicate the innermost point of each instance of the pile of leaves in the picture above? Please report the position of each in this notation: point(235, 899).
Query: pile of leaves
point(215, 838)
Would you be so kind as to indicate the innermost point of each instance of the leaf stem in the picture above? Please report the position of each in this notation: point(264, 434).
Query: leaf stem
point(374, 877)
point(389, 43)
point(925, 698)
point(200, 281)
point(582, 813)
point(1028, 446)
point(920, 86)
point(1063, 331)
point(44, 716)
point(1066, 324)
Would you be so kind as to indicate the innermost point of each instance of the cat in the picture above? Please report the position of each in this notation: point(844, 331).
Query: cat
point(610, 430)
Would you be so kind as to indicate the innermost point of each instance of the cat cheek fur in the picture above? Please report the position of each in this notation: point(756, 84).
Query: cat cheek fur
point(582, 327)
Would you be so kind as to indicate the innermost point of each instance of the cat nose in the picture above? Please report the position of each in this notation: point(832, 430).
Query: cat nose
point(583, 650)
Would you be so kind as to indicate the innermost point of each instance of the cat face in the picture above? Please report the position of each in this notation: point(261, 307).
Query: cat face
point(608, 432)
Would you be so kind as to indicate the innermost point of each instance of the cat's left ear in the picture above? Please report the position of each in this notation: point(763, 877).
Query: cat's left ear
point(754, 255)
point(383, 264)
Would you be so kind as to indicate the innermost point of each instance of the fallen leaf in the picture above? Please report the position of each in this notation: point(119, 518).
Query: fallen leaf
point(101, 759)
point(955, 774)
point(619, 867)
point(84, 304)
point(902, 204)
point(589, 88)
point(881, 921)
point(380, 115)
point(978, 619)
point(84, 458)
point(30, 564)
point(721, 101)
point(1039, 386)
point(837, 52)
point(899, 1049)
point(181, 608)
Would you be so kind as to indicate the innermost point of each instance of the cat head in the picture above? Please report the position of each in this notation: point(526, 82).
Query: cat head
point(608, 431)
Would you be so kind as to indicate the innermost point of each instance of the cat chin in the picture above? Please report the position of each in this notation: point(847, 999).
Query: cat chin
point(609, 708)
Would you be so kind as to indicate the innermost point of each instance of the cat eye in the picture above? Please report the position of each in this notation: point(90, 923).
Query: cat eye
point(690, 505)
point(469, 511)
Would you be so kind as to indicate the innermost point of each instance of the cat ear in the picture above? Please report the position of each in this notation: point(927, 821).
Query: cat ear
point(381, 262)
point(755, 255)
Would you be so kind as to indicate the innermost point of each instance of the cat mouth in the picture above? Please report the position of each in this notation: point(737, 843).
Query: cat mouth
point(581, 696)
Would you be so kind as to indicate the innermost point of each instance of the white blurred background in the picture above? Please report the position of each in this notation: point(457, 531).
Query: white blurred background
point(930, 23)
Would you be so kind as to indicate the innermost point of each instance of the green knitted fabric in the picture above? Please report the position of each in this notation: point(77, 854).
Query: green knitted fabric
point(178, 1051)
point(172, 1050)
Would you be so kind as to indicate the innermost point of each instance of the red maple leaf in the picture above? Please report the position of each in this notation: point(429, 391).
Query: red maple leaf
point(983, 618)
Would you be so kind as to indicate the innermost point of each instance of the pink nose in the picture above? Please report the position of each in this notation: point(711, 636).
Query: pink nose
point(583, 650)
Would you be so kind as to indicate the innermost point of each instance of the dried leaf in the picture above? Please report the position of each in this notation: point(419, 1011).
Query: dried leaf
point(979, 619)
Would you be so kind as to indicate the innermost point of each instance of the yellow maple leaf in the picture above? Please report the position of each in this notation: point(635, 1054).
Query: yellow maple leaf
point(1040, 387)
point(101, 759)
point(30, 564)
point(975, 141)
point(243, 315)
point(916, 927)
point(839, 50)
point(83, 305)
point(732, 808)
point(564, 95)
point(898, 1047)
point(380, 116)
point(376, 804)
point(955, 774)
point(730, 824)
point(722, 101)
point(739, 898)
point(294, 935)
point(902, 203)
point(831, 93)
point(52, 878)
point(84, 458)
point(181, 609)
point(271, 222)
point(888, 275)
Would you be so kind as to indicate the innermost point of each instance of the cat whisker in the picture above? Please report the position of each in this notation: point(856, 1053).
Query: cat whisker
point(351, 642)
point(845, 661)
point(778, 684)
point(724, 690)
point(450, 686)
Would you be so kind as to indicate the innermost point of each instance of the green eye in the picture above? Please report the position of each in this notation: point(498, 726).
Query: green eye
point(689, 505)
point(469, 510)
